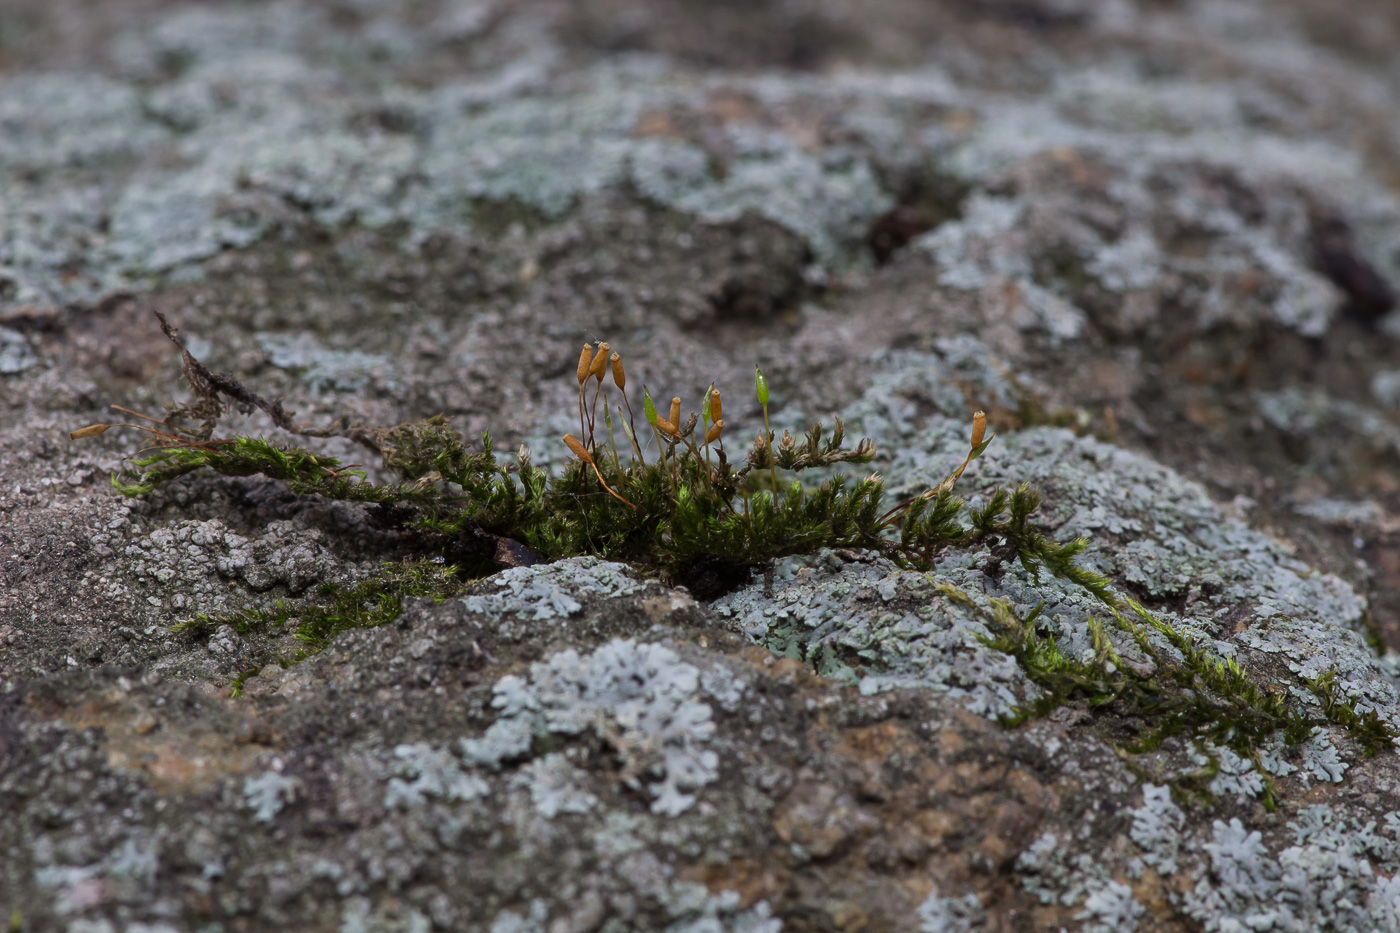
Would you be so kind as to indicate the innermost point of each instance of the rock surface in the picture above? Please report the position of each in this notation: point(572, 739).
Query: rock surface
point(1158, 242)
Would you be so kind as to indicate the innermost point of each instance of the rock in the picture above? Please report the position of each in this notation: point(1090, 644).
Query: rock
point(1158, 244)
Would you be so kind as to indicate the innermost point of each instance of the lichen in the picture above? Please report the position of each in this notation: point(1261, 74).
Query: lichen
point(268, 793)
point(881, 628)
point(643, 690)
point(951, 914)
point(427, 772)
point(1157, 828)
point(1325, 881)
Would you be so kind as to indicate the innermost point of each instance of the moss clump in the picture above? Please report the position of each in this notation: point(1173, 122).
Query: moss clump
point(1371, 731)
point(367, 604)
point(677, 515)
point(1200, 697)
point(1189, 692)
point(690, 515)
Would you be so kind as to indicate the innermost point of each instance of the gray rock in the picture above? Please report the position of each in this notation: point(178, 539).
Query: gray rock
point(1158, 244)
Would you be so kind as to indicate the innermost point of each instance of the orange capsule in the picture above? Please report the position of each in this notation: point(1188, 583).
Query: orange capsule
point(715, 431)
point(577, 447)
point(667, 427)
point(619, 377)
point(89, 431)
point(600, 361)
point(716, 409)
point(675, 411)
point(979, 428)
point(585, 360)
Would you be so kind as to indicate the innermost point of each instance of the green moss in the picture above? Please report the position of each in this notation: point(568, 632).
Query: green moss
point(1369, 730)
point(1371, 633)
point(681, 517)
point(701, 520)
point(676, 515)
point(1191, 693)
point(367, 604)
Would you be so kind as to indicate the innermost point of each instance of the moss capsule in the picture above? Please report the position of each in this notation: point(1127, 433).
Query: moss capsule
point(600, 361)
point(585, 360)
point(577, 447)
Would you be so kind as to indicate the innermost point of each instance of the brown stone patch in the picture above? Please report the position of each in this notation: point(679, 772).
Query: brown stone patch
point(181, 754)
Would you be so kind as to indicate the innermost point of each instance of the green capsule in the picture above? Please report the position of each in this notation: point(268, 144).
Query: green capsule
point(705, 405)
point(648, 407)
point(761, 384)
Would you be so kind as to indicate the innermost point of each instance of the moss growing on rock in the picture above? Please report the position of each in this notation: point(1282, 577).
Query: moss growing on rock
point(692, 516)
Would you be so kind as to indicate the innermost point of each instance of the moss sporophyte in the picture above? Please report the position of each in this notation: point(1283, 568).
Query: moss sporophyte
point(700, 515)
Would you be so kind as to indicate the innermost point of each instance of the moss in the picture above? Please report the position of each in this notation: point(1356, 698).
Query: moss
point(1190, 693)
point(1371, 732)
point(1371, 633)
point(665, 517)
point(703, 520)
point(367, 604)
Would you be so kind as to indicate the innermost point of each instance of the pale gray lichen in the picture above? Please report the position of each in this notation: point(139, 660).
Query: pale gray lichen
point(951, 914)
point(188, 565)
point(322, 368)
point(423, 771)
point(720, 913)
point(1311, 413)
point(1054, 873)
point(1342, 512)
point(1385, 388)
point(696, 909)
point(103, 925)
point(828, 199)
point(361, 915)
point(982, 249)
point(1111, 908)
point(889, 623)
point(533, 921)
point(268, 793)
point(640, 694)
point(549, 592)
point(1234, 774)
point(15, 353)
point(1321, 758)
point(126, 874)
point(554, 786)
point(1157, 828)
point(1321, 883)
